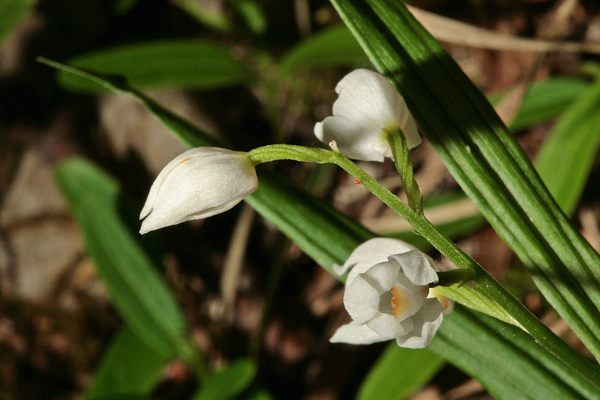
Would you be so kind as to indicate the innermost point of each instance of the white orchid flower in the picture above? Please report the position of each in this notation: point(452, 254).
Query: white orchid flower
point(367, 104)
point(198, 183)
point(387, 295)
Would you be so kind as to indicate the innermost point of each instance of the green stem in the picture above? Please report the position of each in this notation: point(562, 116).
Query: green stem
point(404, 166)
point(275, 152)
point(483, 281)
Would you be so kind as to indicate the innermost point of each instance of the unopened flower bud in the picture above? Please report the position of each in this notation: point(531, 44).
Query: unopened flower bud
point(199, 183)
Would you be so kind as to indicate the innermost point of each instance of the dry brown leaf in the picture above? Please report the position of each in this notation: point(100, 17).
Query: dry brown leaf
point(449, 30)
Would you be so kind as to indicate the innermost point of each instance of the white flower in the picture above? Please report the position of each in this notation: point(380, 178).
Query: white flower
point(387, 295)
point(367, 104)
point(197, 184)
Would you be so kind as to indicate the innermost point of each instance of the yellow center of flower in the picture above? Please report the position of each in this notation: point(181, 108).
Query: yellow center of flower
point(401, 302)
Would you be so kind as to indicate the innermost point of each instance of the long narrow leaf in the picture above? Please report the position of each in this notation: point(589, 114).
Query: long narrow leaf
point(129, 367)
point(565, 159)
point(163, 64)
point(333, 47)
point(494, 358)
point(389, 379)
point(547, 99)
point(134, 284)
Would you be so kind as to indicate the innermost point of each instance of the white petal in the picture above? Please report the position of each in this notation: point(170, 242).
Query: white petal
point(156, 185)
point(359, 268)
point(198, 184)
point(354, 333)
point(361, 300)
point(382, 276)
point(366, 95)
point(426, 323)
point(375, 251)
point(319, 132)
point(386, 326)
point(417, 266)
point(357, 138)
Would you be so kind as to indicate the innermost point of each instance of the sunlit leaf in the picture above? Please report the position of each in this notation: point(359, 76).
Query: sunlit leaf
point(566, 158)
point(500, 364)
point(390, 379)
point(544, 100)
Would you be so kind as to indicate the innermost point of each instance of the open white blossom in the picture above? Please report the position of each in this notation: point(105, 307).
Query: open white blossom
point(367, 104)
point(198, 183)
point(387, 295)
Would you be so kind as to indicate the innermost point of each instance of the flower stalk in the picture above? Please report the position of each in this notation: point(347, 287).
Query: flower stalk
point(275, 152)
point(404, 165)
point(416, 219)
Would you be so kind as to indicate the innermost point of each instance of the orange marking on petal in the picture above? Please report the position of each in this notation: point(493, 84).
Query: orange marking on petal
point(398, 304)
point(182, 161)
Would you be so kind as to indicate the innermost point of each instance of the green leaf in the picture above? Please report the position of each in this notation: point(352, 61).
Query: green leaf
point(566, 158)
point(487, 162)
point(190, 64)
point(547, 99)
point(229, 382)
point(471, 340)
point(129, 367)
point(333, 47)
point(391, 379)
point(252, 13)
point(11, 13)
point(135, 286)
point(345, 235)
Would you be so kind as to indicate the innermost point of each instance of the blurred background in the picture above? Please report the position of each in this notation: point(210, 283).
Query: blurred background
point(252, 72)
